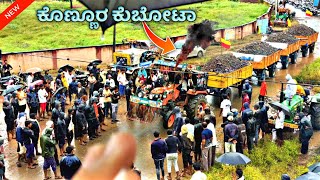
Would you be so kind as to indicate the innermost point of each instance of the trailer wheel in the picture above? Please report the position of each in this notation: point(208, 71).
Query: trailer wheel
point(304, 50)
point(284, 62)
point(294, 57)
point(194, 105)
point(311, 48)
point(272, 70)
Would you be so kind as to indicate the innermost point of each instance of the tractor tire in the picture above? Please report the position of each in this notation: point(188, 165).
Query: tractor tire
point(193, 104)
point(272, 70)
point(168, 120)
point(200, 54)
point(315, 115)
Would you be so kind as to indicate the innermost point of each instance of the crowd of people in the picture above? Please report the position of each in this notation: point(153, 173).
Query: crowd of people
point(195, 138)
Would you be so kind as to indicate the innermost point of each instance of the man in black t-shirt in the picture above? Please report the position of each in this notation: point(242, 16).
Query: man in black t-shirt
point(114, 104)
point(6, 69)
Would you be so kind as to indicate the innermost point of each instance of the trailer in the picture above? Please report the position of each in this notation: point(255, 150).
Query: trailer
point(261, 63)
point(288, 51)
point(307, 42)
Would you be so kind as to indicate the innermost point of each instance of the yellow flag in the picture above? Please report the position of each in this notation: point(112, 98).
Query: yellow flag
point(289, 23)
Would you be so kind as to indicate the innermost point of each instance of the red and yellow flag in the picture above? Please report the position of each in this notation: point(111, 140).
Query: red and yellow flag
point(226, 44)
point(308, 13)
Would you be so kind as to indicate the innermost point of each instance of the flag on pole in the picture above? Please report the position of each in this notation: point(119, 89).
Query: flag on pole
point(226, 44)
point(289, 23)
point(308, 13)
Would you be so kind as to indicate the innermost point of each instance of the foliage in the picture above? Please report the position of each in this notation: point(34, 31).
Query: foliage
point(268, 161)
point(26, 33)
point(310, 73)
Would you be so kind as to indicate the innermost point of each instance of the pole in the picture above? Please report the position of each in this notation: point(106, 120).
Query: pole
point(281, 93)
point(276, 7)
point(70, 4)
point(114, 39)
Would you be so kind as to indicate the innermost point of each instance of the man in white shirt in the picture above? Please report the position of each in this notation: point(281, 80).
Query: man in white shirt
point(122, 82)
point(42, 95)
point(225, 108)
point(214, 139)
point(29, 79)
point(92, 80)
point(198, 175)
point(279, 124)
point(110, 81)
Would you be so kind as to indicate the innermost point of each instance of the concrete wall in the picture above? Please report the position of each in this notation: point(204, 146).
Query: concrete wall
point(52, 59)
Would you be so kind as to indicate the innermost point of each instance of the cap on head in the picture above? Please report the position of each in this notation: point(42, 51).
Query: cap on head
point(230, 118)
point(95, 93)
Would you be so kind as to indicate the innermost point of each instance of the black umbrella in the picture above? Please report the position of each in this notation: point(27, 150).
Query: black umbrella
point(131, 5)
point(233, 158)
point(11, 89)
point(60, 89)
point(69, 68)
point(277, 105)
point(315, 168)
point(96, 62)
point(309, 176)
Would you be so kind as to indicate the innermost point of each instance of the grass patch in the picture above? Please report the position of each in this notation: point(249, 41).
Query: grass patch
point(268, 162)
point(26, 33)
point(310, 75)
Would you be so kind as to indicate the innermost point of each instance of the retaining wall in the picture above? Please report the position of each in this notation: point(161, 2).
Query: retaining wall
point(54, 58)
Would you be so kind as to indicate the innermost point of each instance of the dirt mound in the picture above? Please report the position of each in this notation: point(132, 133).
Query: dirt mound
point(224, 63)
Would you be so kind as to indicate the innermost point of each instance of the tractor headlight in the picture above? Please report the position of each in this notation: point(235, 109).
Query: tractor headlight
point(140, 94)
point(156, 96)
point(151, 96)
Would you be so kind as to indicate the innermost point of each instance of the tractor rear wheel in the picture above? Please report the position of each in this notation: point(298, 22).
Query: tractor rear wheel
point(168, 120)
point(194, 104)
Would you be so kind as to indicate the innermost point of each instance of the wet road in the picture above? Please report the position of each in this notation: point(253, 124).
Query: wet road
point(143, 131)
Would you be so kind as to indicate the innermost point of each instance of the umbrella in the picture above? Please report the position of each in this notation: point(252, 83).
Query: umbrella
point(315, 168)
point(277, 105)
point(96, 62)
point(233, 158)
point(309, 176)
point(33, 70)
point(131, 5)
point(69, 67)
point(37, 82)
point(11, 89)
point(57, 91)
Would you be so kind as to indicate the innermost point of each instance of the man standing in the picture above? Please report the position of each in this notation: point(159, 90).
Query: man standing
point(110, 82)
point(158, 151)
point(279, 124)
point(225, 107)
point(248, 88)
point(82, 124)
point(251, 130)
point(306, 132)
point(91, 118)
point(174, 146)
point(263, 90)
point(47, 77)
point(245, 113)
point(212, 128)
point(92, 80)
point(114, 104)
point(122, 82)
point(129, 90)
point(33, 101)
point(264, 118)
point(61, 133)
point(48, 150)
point(42, 94)
point(81, 91)
point(22, 100)
point(9, 118)
point(28, 137)
point(69, 164)
point(257, 117)
point(36, 131)
point(230, 135)
point(198, 140)
point(69, 126)
point(206, 146)
point(6, 69)
point(245, 99)
point(107, 101)
point(73, 89)
point(291, 88)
